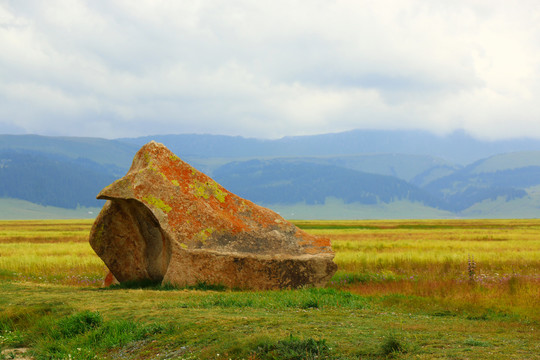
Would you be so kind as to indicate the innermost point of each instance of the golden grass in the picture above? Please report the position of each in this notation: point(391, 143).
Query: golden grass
point(435, 247)
point(428, 258)
point(49, 251)
point(48, 259)
point(40, 231)
point(433, 259)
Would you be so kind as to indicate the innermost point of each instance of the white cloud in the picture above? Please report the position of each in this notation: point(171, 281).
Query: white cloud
point(267, 69)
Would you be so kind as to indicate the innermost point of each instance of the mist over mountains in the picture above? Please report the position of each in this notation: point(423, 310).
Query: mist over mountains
point(355, 174)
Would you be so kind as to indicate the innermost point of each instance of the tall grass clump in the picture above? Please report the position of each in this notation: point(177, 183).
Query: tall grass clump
point(292, 348)
point(78, 323)
point(392, 344)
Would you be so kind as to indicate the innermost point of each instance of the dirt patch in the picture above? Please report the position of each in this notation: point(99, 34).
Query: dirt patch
point(16, 354)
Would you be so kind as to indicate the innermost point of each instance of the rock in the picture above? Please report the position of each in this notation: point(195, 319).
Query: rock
point(167, 222)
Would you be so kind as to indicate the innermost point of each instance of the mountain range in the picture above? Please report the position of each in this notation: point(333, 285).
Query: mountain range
point(355, 174)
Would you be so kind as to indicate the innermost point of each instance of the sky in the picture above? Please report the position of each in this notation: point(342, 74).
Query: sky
point(267, 69)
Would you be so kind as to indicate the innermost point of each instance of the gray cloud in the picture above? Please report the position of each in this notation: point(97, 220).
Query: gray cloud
point(268, 69)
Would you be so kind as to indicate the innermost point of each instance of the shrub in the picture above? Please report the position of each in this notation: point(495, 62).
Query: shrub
point(310, 304)
point(392, 344)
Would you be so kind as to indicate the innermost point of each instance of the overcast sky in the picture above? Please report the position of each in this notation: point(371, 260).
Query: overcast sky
point(267, 69)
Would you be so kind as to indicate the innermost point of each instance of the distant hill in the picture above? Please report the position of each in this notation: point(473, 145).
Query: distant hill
point(100, 151)
point(506, 176)
point(508, 161)
point(290, 182)
point(357, 174)
point(52, 180)
point(402, 166)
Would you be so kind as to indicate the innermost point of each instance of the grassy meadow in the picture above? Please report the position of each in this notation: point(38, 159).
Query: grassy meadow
point(406, 289)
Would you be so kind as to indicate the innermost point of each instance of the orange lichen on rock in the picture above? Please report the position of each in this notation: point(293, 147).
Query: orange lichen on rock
point(167, 221)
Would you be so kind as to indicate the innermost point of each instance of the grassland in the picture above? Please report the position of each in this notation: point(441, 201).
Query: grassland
point(405, 289)
point(21, 209)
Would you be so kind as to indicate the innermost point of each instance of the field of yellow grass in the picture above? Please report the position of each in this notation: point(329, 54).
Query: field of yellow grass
point(431, 282)
point(494, 262)
point(464, 263)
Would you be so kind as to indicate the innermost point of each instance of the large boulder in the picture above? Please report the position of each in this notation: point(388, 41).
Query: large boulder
point(167, 222)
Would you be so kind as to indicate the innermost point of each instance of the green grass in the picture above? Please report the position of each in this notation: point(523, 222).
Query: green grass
point(203, 324)
point(20, 209)
point(403, 290)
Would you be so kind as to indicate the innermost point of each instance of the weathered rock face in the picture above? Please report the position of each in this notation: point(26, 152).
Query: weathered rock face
point(168, 222)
